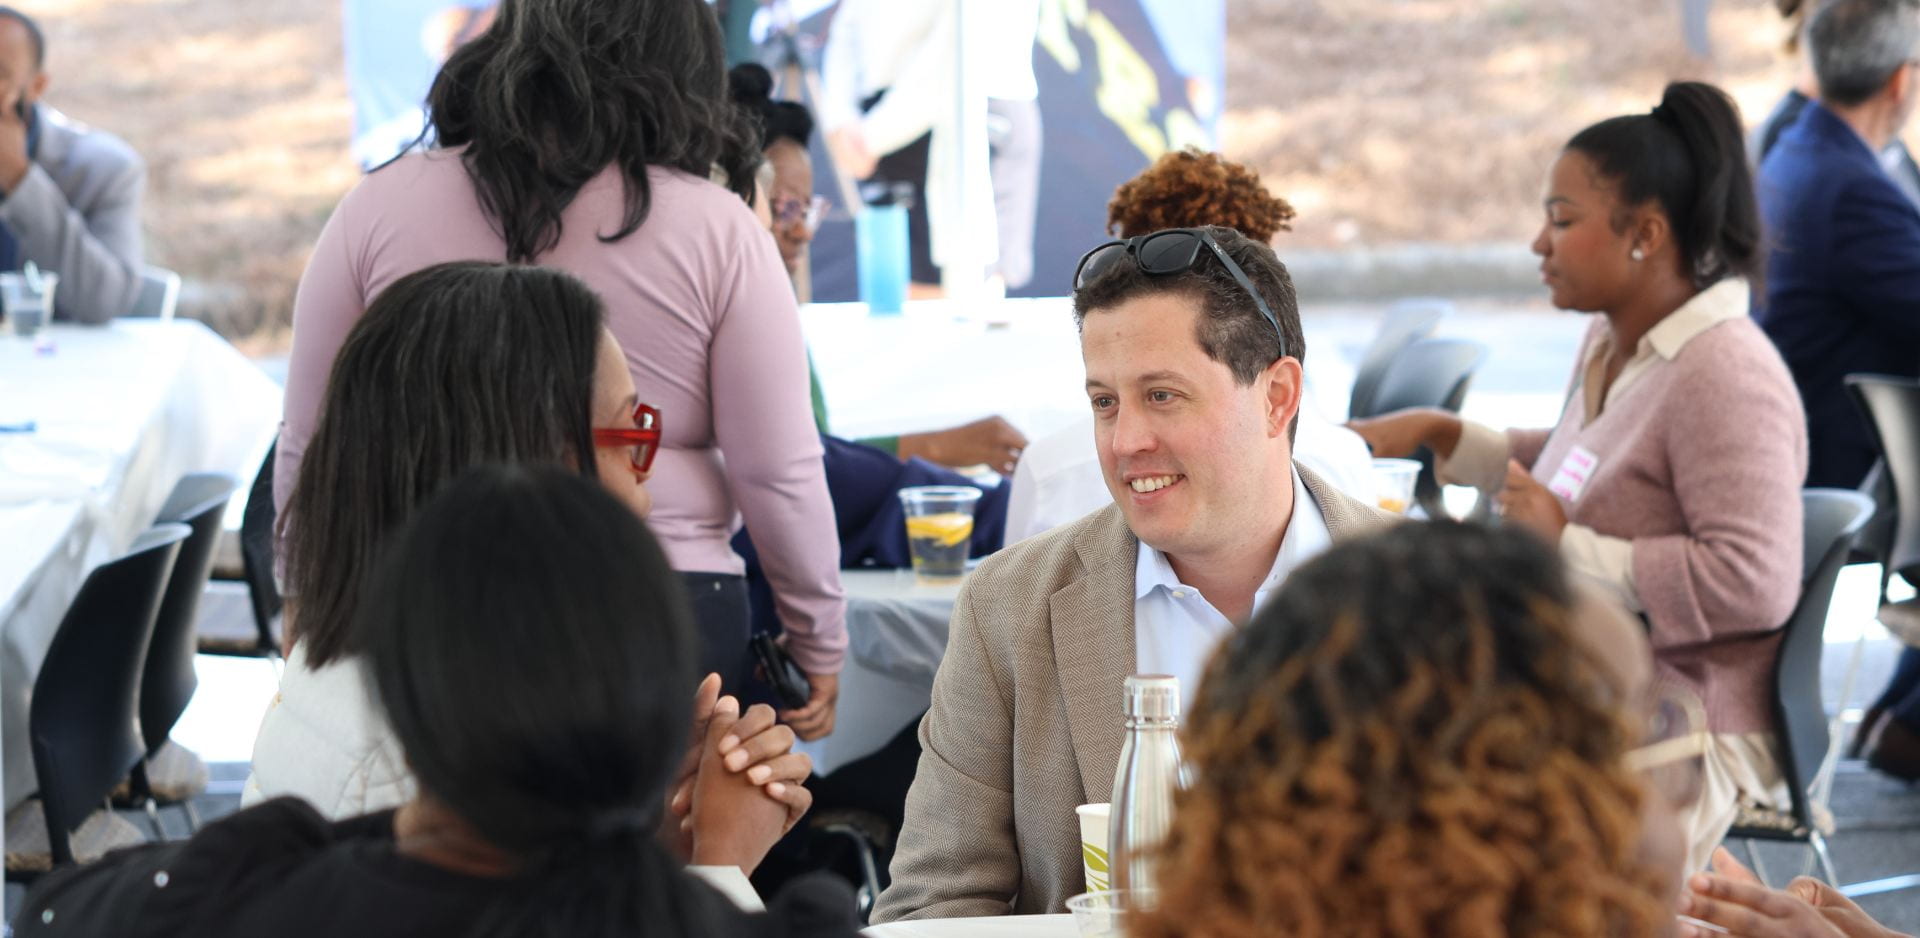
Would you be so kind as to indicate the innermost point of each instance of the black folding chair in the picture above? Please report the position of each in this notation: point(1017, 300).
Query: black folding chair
point(1406, 322)
point(1834, 517)
point(174, 775)
point(261, 637)
point(1429, 373)
point(84, 722)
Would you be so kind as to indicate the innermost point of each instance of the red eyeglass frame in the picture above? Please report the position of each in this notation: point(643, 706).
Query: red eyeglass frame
point(644, 437)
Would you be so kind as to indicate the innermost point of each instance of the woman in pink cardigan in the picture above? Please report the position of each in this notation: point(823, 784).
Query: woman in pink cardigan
point(582, 135)
point(1673, 477)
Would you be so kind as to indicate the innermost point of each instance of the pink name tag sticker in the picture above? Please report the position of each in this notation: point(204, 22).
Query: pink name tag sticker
point(1574, 472)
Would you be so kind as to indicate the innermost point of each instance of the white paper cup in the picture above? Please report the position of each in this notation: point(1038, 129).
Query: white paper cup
point(1093, 845)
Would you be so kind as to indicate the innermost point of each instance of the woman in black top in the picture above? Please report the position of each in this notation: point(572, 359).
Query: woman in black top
point(541, 810)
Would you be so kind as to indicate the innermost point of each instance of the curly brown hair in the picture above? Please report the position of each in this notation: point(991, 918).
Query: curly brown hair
point(1409, 741)
point(1191, 189)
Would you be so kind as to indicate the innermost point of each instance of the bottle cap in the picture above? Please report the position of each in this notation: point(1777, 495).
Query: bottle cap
point(1153, 697)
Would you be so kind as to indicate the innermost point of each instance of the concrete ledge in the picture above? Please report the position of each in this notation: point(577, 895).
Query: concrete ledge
point(1418, 269)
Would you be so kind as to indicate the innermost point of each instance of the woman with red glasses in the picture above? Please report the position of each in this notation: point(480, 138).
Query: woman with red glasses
point(456, 366)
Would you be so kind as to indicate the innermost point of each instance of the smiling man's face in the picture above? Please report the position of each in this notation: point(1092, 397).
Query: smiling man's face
point(1189, 454)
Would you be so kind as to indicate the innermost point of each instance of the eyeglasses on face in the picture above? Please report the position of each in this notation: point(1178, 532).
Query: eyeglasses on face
point(643, 438)
point(809, 212)
point(1173, 251)
point(1672, 761)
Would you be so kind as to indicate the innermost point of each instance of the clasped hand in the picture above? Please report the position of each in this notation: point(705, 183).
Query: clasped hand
point(738, 788)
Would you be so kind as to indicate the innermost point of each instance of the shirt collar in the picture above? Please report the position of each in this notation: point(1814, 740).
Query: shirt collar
point(1306, 537)
point(1725, 300)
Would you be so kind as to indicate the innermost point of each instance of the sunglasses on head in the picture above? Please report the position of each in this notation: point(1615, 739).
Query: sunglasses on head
point(643, 437)
point(1173, 251)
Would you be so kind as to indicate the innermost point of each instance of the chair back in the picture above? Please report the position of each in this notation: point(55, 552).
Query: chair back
point(1892, 408)
point(84, 721)
point(1834, 517)
point(159, 294)
point(168, 680)
point(1876, 539)
point(1429, 373)
point(1407, 322)
point(256, 554)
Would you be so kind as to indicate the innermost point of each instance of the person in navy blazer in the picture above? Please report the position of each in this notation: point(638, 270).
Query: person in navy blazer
point(1842, 288)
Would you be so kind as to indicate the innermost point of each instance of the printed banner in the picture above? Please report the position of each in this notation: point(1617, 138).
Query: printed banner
point(1118, 83)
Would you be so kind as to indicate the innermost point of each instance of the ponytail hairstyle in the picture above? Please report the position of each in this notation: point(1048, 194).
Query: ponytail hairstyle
point(1689, 155)
point(533, 653)
point(556, 91)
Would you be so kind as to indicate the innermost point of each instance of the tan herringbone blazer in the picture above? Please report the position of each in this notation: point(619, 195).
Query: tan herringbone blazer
point(1025, 723)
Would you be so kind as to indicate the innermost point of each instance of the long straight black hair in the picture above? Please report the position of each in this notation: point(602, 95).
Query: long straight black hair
point(533, 652)
point(453, 366)
point(556, 91)
point(1690, 155)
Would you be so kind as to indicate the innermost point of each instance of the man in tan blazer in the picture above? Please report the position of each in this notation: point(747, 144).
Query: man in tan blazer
point(1192, 345)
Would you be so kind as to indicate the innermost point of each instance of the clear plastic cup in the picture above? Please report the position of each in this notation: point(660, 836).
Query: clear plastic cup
point(1394, 481)
point(1104, 914)
point(939, 529)
point(28, 300)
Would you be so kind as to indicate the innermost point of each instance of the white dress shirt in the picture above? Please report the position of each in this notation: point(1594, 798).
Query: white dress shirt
point(1176, 629)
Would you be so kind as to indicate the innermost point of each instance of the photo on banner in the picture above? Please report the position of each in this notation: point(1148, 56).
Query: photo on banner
point(1082, 95)
point(1108, 86)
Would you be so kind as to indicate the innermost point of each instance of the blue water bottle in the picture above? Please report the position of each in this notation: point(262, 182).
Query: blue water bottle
point(880, 248)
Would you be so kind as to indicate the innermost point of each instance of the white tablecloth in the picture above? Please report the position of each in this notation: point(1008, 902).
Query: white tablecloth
point(941, 363)
point(1005, 926)
point(121, 412)
point(896, 633)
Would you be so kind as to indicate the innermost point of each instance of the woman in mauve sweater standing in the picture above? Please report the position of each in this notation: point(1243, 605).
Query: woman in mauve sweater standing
point(596, 136)
point(1673, 477)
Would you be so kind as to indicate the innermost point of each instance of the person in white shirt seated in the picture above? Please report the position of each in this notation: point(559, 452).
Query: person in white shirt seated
point(1058, 478)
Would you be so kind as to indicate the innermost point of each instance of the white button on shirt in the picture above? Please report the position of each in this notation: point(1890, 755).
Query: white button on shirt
point(1176, 629)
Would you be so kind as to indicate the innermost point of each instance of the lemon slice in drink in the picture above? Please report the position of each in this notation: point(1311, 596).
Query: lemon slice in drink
point(945, 529)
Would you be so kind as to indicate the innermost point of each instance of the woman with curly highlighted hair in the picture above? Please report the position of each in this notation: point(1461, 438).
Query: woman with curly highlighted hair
point(1191, 184)
point(1427, 733)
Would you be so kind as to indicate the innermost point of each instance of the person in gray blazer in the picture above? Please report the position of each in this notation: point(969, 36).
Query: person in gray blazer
point(69, 194)
point(1192, 343)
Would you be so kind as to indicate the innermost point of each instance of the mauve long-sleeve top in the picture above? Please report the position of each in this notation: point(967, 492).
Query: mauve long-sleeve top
point(700, 303)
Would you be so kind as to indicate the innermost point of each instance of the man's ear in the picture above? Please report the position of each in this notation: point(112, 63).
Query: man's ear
point(1901, 85)
point(1286, 388)
point(38, 87)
